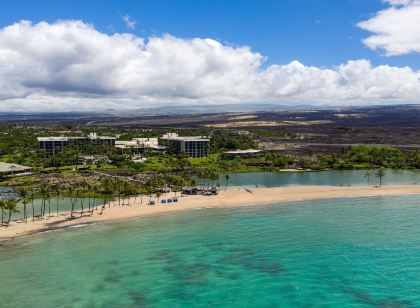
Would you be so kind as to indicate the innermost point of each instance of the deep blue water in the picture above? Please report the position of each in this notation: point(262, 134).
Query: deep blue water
point(354, 252)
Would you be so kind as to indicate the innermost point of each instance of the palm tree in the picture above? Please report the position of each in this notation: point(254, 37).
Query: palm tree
point(132, 190)
point(108, 187)
point(25, 202)
point(81, 191)
point(214, 177)
point(48, 195)
point(125, 191)
point(149, 191)
point(141, 191)
point(117, 187)
point(380, 175)
point(12, 207)
point(31, 198)
point(2, 207)
point(227, 177)
point(23, 193)
point(367, 176)
point(79, 195)
point(95, 188)
point(70, 191)
point(158, 194)
point(57, 190)
point(43, 190)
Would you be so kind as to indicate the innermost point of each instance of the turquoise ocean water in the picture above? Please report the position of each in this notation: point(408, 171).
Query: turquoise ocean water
point(354, 252)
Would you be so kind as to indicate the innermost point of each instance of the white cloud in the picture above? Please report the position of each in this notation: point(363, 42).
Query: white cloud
point(69, 65)
point(396, 29)
point(129, 23)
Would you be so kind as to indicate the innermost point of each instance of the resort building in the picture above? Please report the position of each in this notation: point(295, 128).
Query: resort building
point(55, 145)
point(93, 160)
point(7, 169)
point(140, 146)
point(243, 153)
point(52, 145)
point(194, 146)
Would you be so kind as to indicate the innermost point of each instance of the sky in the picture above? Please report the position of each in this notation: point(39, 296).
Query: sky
point(92, 55)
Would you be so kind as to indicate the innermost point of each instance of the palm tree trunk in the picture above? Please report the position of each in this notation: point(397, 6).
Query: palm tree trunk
point(43, 208)
point(57, 204)
point(73, 203)
point(82, 206)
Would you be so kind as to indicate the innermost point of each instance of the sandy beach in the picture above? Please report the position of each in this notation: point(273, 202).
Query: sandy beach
point(234, 197)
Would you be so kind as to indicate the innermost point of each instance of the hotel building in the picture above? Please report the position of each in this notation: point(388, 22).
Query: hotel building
point(140, 146)
point(195, 146)
point(55, 145)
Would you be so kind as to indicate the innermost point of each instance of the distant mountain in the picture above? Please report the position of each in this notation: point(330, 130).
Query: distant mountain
point(111, 113)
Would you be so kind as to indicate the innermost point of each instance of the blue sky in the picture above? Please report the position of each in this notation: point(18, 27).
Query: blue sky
point(82, 54)
point(315, 32)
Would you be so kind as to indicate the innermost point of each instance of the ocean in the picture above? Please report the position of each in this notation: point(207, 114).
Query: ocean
point(352, 252)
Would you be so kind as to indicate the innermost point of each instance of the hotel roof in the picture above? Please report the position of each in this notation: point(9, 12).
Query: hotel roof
point(189, 138)
point(176, 137)
point(6, 167)
point(250, 151)
point(53, 138)
point(73, 138)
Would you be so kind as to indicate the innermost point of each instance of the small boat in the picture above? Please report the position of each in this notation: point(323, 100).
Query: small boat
point(163, 201)
point(175, 199)
point(151, 202)
point(169, 200)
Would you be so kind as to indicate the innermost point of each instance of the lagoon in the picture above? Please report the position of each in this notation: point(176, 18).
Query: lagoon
point(333, 177)
point(64, 205)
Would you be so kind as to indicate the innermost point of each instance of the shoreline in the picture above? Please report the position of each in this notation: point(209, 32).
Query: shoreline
point(232, 197)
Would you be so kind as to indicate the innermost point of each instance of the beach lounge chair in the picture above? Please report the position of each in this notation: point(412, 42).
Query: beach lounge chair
point(163, 201)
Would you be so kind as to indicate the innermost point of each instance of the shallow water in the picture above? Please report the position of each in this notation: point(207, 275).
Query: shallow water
point(333, 177)
point(354, 252)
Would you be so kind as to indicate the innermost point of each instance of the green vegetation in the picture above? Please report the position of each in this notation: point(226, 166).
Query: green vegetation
point(18, 145)
point(113, 176)
point(366, 157)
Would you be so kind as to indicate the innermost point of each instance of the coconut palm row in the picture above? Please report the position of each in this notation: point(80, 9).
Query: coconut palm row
point(380, 174)
point(89, 193)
